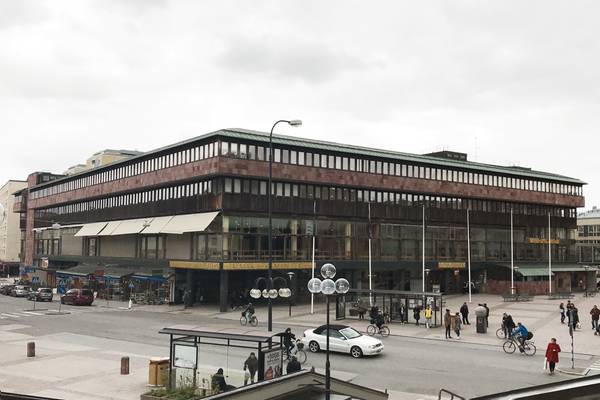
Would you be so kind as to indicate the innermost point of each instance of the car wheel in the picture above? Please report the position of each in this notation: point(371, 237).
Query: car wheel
point(356, 352)
point(313, 346)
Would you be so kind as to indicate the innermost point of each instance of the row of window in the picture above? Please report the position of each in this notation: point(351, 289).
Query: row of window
point(304, 158)
point(311, 192)
point(166, 161)
point(589, 230)
point(311, 159)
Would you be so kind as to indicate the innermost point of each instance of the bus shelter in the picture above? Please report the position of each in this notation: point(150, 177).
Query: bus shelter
point(197, 352)
point(398, 306)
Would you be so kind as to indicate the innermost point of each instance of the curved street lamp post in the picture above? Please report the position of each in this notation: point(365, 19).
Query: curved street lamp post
point(293, 122)
point(328, 287)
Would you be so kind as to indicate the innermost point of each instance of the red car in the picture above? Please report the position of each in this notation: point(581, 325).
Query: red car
point(78, 297)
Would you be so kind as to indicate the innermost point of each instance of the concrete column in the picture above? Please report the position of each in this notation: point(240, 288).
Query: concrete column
point(226, 254)
point(348, 240)
point(294, 239)
point(223, 289)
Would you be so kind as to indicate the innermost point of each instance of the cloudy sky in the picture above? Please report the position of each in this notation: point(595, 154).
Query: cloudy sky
point(509, 82)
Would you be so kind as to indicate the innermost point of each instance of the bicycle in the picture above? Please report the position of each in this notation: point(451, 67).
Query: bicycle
point(384, 331)
point(511, 345)
point(297, 351)
point(244, 320)
point(500, 334)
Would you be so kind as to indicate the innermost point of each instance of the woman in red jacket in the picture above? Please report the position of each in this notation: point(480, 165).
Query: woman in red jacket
point(552, 354)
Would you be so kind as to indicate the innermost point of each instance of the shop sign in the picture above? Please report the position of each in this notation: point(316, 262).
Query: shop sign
point(273, 363)
point(44, 263)
point(451, 265)
point(543, 241)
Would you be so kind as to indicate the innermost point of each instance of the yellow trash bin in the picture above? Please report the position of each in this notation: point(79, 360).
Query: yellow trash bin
point(156, 370)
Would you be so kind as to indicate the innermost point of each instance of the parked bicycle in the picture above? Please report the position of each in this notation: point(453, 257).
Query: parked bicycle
point(244, 320)
point(511, 344)
point(501, 334)
point(297, 351)
point(383, 331)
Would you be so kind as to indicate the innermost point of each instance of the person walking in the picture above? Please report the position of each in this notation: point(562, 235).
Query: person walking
point(509, 325)
point(251, 364)
point(552, 355)
point(417, 314)
point(464, 311)
point(562, 312)
point(595, 313)
point(428, 315)
point(448, 324)
point(186, 299)
point(574, 317)
point(457, 324)
point(487, 315)
point(569, 313)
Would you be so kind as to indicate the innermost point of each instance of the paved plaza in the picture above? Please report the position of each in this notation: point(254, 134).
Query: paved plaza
point(78, 353)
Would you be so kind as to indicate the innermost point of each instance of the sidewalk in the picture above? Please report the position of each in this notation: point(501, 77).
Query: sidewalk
point(541, 316)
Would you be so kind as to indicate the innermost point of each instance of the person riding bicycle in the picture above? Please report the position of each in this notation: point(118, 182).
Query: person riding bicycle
point(520, 334)
point(379, 320)
point(248, 311)
point(288, 340)
point(373, 313)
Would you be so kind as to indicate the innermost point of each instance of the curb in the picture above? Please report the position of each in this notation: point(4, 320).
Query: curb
point(567, 372)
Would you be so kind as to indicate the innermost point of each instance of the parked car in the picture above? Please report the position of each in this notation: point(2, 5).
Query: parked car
point(78, 297)
point(6, 289)
point(42, 294)
point(342, 339)
point(20, 291)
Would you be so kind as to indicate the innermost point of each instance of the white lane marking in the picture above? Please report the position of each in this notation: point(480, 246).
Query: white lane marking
point(32, 313)
point(11, 315)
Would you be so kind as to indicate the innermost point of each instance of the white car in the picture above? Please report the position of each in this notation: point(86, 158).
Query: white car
point(342, 339)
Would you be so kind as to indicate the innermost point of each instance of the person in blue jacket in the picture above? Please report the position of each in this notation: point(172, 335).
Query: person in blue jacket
point(521, 333)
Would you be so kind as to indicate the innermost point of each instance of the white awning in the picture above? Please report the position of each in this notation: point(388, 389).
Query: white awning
point(180, 224)
point(131, 226)
point(157, 225)
point(91, 229)
point(110, 228)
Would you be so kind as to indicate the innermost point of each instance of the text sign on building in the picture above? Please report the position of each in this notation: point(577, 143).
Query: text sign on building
point(451, 265)
point(543, 241)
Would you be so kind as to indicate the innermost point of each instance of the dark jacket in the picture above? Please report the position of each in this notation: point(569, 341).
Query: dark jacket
point(293, 366)
point(509, 324)
point(252, 364)
point(464, 310)
point(417, 312)
point(218, 382)
point(595, 313)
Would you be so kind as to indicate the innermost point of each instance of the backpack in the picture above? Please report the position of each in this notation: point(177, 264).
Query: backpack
point(529, 335)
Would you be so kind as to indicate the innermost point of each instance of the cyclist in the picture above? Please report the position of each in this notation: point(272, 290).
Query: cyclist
point(248, 312)
point(288, 340)
point(521, 333)
point(379, 320)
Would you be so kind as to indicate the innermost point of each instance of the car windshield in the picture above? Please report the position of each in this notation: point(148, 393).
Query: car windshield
point(350, 333)
point(46, 290)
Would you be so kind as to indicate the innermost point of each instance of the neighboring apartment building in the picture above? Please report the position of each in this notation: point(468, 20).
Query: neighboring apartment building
point(10, 230)
point(102, 158)
point(588, 239)
point(195, 214)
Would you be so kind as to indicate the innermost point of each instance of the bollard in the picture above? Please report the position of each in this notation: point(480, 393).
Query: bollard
point(124, 365)
point(31, 349)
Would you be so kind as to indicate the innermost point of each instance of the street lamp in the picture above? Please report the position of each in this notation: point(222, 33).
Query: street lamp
point(293, 122)
point(328, 287)
point(427, 271)
point(269, 292)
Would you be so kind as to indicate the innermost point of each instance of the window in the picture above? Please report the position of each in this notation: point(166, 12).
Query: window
point(277, 156)
point(300, 158)
point(285, 156)
point(330, 162)
point(293, 157)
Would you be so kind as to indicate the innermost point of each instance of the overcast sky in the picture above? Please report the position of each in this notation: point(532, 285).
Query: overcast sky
point(508, 82)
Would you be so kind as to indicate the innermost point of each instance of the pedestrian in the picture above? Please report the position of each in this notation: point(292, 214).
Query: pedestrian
point(464, 311)
point(552, 355)
point(595, 313)
point(457, 324)
point(251, 364)
point(569, 313)
point(562, 312)
point(186, 299)
point(448, 324)
point(575, 317)
point(293, 366)
point(509, 326)
point(428, 315)
point(402, 312)
point(487, 315)
point(417, 314)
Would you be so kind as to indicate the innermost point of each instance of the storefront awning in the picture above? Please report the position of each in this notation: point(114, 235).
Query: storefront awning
point(91, 229)
point(131, 226)
point(180, 224)
point(109, 228)
point(157, 225)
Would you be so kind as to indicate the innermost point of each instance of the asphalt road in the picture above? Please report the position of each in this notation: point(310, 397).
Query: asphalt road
point(407, 364)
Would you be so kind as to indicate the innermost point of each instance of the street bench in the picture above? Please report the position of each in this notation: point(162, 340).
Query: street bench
point(563, 295)
point(517, 297)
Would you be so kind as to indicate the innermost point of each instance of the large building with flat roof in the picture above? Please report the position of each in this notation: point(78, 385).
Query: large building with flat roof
point(195, 214)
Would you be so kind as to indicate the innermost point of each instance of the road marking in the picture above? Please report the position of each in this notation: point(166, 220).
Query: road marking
point(595, 366)
point(32, 313)
point(11, 315)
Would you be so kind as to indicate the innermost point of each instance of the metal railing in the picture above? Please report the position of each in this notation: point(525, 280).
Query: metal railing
point(452, 395)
